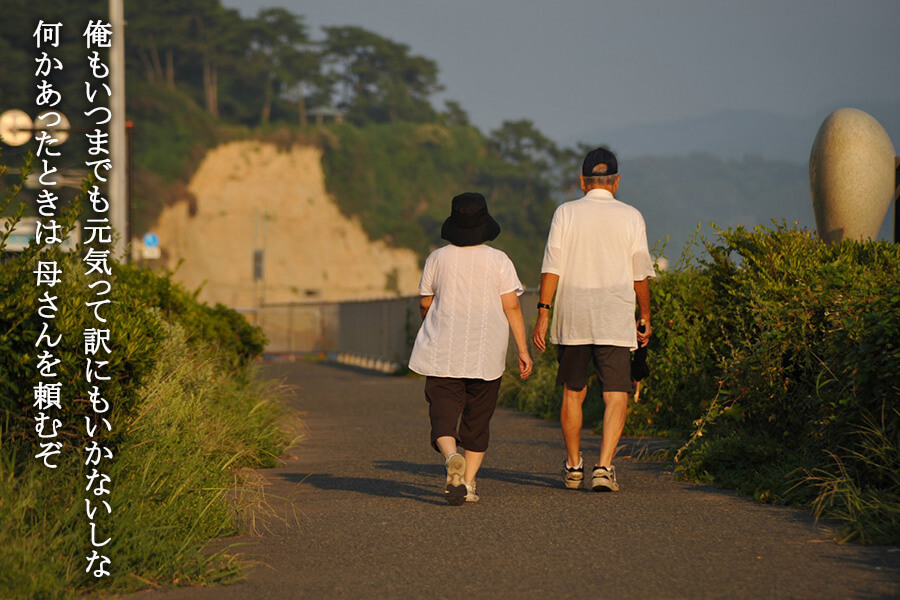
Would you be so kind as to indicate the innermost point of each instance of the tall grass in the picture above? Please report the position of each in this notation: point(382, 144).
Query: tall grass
point(196, 420)
point(42, 547)
point(866, 509)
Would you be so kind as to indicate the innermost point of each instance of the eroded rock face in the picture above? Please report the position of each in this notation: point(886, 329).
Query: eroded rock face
point(851, 175)
point(252, 195)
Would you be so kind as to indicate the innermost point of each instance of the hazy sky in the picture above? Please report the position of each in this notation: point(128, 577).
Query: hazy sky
point(576, 65)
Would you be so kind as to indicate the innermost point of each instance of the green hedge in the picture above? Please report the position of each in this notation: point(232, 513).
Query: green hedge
point(776, 357)
point(800, 347)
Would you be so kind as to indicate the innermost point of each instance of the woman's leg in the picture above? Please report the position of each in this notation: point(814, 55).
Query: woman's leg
point(474, 427)
point(445, 397)
point(446, 445)
point(473, 463)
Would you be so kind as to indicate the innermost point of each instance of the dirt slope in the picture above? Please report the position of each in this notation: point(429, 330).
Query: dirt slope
point(252, 195)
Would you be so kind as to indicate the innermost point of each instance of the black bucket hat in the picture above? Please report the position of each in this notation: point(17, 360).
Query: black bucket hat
point(469, 223)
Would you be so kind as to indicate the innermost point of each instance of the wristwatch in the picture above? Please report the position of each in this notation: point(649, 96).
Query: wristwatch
point(542, 305)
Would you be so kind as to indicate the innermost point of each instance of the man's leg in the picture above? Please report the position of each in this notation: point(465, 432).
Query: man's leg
point(613, 424)
point(571, 419)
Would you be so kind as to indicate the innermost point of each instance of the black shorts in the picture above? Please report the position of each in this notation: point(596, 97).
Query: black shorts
point(612, 364)
point(468, 402)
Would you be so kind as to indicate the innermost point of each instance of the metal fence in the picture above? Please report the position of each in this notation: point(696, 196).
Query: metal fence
point(374, 334)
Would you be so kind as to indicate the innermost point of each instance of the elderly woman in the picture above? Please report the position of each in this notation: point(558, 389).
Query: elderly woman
point(469, 301)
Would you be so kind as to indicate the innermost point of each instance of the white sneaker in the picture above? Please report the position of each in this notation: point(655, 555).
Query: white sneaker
point(573, 476)
point(604, 480)
point(455, 490)
point(471, 496)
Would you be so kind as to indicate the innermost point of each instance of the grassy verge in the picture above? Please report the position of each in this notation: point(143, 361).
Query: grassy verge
point(187, 411)
point(196, 420)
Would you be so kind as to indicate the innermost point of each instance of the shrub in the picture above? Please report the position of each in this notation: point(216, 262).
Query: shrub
point(137, 342)
point(218, 326)
point(804, 338)
point(540, 396)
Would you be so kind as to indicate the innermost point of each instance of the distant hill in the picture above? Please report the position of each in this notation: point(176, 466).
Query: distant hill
point(675, 193)
point(730, 168)
point(735, 134)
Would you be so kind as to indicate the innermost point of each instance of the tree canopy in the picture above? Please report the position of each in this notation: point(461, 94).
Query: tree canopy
point(251, 71)
point(377, 80)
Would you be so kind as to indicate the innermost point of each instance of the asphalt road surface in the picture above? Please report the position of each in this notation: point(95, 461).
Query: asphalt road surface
point(371, 520)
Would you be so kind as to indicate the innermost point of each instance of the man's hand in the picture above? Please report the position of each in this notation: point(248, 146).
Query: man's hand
point(525, 365)
point(644, 337)
point(549, 281)
point(539, 334)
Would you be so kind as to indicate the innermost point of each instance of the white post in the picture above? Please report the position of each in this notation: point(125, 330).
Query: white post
point(118, 179)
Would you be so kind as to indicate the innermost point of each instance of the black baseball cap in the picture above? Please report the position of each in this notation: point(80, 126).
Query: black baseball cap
point(599, 162)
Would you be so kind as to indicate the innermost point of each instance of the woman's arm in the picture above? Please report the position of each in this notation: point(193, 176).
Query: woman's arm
point(425, 304)
point(517, 323)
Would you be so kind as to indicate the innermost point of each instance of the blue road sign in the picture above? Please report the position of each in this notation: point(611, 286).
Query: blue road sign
point(151, 240)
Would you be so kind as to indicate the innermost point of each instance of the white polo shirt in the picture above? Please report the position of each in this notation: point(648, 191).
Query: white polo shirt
point(465, 332)
point(598, 247)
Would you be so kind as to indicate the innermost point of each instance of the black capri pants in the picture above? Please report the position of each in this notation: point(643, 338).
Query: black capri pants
point(470, 403)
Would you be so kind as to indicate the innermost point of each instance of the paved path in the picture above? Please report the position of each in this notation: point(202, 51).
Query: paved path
point(373, 522)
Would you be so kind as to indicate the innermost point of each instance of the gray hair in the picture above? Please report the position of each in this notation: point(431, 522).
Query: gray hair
point(600, 180)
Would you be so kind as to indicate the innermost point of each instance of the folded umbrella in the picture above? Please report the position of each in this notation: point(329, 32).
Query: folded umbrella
point(639, 367)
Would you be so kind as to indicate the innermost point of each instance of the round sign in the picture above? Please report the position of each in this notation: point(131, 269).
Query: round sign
point(15, 127)
point(151, 240)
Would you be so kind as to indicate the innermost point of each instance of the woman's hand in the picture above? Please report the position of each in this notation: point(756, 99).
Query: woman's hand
point(525, 365)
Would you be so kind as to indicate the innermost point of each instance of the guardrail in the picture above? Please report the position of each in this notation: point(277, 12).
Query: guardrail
point(372, 334)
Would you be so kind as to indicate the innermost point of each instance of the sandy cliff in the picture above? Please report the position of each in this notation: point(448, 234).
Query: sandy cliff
point(252, 195)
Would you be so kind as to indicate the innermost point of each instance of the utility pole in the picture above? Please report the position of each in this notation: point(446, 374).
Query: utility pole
point(118, 144)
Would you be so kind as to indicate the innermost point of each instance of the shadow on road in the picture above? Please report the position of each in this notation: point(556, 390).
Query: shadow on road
point(431, 470)
point(367, 485)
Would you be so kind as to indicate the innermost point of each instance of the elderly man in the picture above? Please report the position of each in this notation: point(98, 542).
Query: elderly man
point(596, 263)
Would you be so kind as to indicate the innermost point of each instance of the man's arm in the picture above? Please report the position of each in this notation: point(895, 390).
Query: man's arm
point(642, 292)
point(425, 304)
point(549, 282)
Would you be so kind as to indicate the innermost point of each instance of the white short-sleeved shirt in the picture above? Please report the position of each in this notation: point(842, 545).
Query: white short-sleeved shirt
point(598, 247)
point(465, 332)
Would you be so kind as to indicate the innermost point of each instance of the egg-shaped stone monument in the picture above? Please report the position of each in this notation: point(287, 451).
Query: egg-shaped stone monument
point(851, 176)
